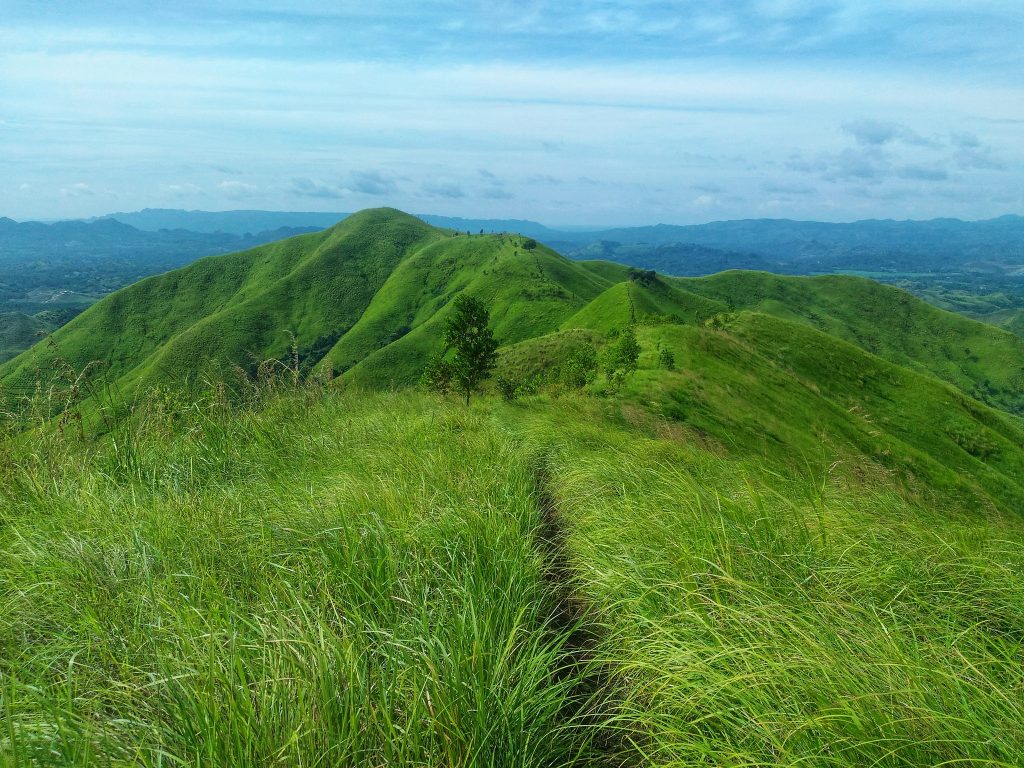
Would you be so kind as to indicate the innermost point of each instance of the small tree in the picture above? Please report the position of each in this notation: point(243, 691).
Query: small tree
point(476, 350)
point(667, 359)
point(529, 244)
point(579, 368)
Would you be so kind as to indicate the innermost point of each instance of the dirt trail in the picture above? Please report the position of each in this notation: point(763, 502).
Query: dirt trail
point(593, 702)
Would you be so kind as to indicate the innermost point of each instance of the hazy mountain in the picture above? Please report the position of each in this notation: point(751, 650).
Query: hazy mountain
point(784, 238)
point(520, 226)
point(231, 222)
point(250, 221)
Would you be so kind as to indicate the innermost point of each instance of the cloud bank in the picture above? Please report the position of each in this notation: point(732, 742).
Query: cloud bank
point(572, 112)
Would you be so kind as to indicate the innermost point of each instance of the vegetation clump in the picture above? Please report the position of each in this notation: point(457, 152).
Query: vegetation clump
point(645, 277)
point(666, 359)
point(580, 368)
point(622, 357)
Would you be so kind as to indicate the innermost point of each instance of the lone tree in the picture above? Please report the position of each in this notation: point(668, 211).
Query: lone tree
point(475, 346)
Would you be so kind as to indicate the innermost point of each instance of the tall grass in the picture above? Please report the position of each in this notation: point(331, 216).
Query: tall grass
point(324, 578)
point(751, 618)
point(339, 581)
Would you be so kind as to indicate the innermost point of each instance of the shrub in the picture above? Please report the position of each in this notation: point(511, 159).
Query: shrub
point(512, 388)
point(579, 368)
point(666, 359)
point(507, 386)
point(624, 355)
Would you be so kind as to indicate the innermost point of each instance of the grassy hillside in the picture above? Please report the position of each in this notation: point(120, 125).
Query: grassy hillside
point(814, 617)
point(367, 299)
point(368, 295)
point(237, 309)
point(529, 293)
point(369, 579)
point(237, 589)
point(765, 364)
point(18, 332)
point(790, 537)
point(985, 362)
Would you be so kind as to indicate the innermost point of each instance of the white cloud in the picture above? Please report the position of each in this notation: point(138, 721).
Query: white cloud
point(77, 190)
point(286, 129)
point(238, 190)
point(182, 191)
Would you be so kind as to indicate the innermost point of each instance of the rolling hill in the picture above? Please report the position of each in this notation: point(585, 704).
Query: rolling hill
point(796, 544)
point(925, 392)
point(343, 295)
point(367, 297)
point(985, 362)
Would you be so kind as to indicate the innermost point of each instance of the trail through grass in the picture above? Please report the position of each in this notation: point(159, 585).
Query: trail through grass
point(391, 579)
point(753, 618)
point(353, 582)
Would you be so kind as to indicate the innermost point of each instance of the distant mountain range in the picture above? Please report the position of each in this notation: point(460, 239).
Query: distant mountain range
point(223, 222)
point(810, 244)
point(249, 221)
point(778, 244)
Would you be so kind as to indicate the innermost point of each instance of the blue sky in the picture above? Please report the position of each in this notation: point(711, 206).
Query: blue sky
point(566, 112)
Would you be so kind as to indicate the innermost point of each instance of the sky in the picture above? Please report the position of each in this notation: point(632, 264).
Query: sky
point(599, 112)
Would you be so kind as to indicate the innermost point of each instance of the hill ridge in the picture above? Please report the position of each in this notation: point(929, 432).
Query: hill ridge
point(365, 301)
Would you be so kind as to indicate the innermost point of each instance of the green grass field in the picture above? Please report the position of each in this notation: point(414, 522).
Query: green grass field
point(232, 534)
point(367, 579)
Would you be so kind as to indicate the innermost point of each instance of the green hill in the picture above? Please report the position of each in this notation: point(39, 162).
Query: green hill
point(367, 298)
point(790, 537)
point(238, 308)
point(760, 357)
point(378, 279)
point(18, 332)
point(985, 362)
